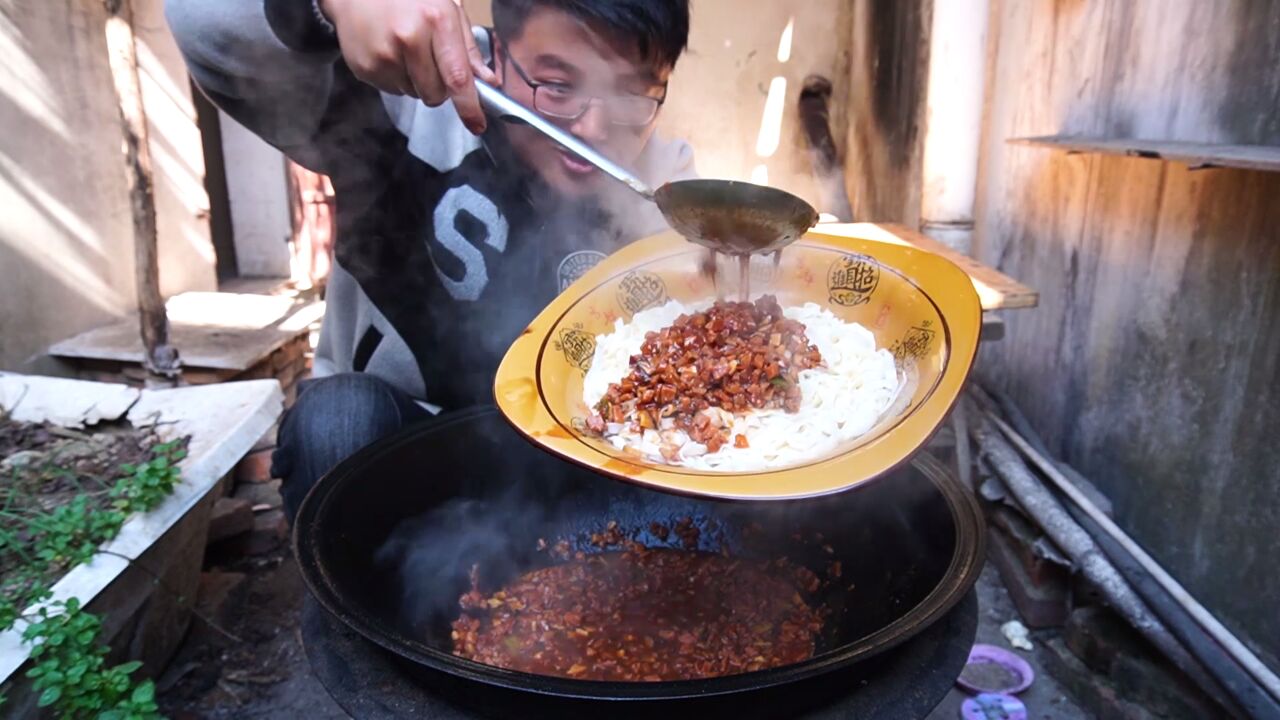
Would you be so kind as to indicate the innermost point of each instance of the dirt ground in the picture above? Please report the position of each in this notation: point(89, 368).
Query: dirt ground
point(1045, 699)
point(48, 465)
point(262, 671)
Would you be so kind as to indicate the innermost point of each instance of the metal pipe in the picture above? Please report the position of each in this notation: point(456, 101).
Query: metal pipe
point(1252, 697)
point(953, 120)
point(1052, 517)
point(1222, 635)
point(498, 104)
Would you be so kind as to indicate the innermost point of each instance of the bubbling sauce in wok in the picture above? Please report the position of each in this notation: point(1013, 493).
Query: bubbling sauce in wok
point(644, 615)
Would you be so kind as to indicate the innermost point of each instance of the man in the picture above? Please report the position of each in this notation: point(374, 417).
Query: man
point(453, 231)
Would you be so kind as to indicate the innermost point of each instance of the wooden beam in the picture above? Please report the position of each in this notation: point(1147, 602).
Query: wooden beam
point(995, 289)
point(888, 59)
point(161, 358)
point(1195, 155)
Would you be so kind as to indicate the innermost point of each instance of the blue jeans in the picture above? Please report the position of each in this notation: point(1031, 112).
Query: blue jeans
point(333, 418)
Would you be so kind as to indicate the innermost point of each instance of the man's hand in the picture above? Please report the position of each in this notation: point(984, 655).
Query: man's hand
point(420, 48)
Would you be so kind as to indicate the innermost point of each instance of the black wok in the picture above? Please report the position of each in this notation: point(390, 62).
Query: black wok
point(385, 540)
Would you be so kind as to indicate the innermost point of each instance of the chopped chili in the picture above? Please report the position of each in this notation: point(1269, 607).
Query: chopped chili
point(643, 615)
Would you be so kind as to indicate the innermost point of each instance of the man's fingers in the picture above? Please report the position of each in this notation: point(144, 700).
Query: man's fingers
point(454, 66)
point(420, 68)
point(394, 81)
point(399, 77)
point(478, 65)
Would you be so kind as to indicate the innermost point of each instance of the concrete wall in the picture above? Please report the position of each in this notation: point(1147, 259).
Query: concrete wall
point(258, 195)
point(66, 252)
point(1153, 361)
point(720, 91)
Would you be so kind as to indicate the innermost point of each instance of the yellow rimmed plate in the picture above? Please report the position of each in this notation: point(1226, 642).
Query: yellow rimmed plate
point(919, 306)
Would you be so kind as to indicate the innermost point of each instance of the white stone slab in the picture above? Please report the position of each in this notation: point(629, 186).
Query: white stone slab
point(69, 403)
point(224, 421)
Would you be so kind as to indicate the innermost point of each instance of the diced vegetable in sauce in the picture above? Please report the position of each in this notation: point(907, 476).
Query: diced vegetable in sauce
point(644, 615)
point(735, 356)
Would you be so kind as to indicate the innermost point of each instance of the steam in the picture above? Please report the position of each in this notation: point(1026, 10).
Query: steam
point(432, 554)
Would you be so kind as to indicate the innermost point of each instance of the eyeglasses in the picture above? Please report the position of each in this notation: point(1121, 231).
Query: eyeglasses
point(563, 102)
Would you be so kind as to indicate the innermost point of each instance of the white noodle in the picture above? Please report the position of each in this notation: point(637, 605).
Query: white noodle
point(839, 402)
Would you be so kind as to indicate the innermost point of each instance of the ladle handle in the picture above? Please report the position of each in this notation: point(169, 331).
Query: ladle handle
point(499, 105)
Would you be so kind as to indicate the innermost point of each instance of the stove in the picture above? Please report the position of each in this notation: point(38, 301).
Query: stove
point(905, 682)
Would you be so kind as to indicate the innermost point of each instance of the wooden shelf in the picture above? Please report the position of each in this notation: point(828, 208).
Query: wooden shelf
point(1196, 155)
point(996, 291)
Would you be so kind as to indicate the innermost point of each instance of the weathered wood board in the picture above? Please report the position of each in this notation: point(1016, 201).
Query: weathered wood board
point(1194, 155)
point(1153, 361)
point(887, 43)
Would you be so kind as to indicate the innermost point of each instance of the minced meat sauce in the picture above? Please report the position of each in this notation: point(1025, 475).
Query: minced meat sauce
point(643, 615)
point(735, 356)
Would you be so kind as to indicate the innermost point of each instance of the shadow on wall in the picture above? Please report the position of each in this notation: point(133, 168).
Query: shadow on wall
point(182, 206)
point(66, 252)
point(897, 74)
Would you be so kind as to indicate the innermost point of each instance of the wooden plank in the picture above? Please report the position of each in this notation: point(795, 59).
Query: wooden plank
point(1180, 402)
point(217, 331)
point(1152, 360)
point(996, 290)
point(1032, 207)
point(1196, 155)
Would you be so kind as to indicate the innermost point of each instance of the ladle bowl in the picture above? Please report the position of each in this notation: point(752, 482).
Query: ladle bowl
point(727, 216)
point(735, 218)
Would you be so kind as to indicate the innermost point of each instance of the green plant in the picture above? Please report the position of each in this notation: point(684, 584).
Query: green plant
point(71, 672)
point(145, 486)
point(73, 532)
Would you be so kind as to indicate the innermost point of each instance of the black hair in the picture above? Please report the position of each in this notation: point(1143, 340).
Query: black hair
point(660, 28)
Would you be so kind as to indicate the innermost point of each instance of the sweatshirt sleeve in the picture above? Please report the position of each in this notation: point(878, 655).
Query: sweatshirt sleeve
point(268, 64)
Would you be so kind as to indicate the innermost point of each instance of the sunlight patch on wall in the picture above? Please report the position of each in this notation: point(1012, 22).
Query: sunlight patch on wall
point(25, 84)
point(784, 43)
point(41, 228)
point(771, 120)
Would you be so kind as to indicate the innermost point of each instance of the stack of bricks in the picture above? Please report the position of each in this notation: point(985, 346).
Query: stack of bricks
point(288, 364)
point(1040, 579)
point(1038, 583)
point(249, 519)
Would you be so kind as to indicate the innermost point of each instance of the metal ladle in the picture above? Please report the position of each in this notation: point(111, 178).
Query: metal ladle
point(727, 216)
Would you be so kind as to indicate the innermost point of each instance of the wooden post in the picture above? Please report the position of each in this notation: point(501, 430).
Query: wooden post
point(160, 358)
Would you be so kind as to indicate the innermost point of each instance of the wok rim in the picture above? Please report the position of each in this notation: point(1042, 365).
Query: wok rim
point(960, 576)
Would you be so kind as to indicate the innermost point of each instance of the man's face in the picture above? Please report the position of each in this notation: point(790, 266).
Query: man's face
point(572, 58)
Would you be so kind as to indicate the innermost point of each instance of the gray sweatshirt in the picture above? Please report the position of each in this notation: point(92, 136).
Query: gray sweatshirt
point(446, 246)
